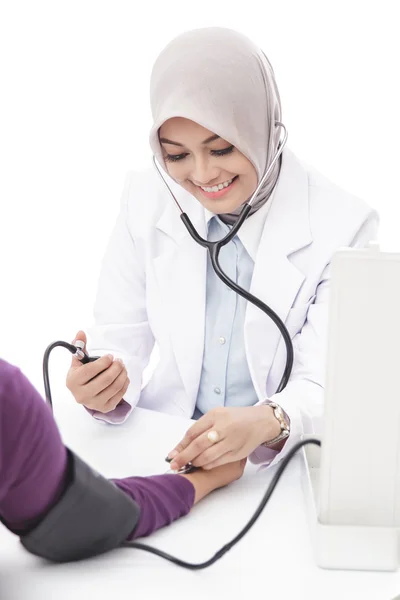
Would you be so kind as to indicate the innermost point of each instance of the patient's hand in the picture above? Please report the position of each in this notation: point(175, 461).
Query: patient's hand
point(205, 482)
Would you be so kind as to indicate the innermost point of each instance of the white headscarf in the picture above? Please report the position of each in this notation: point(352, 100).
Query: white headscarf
point(219, 79)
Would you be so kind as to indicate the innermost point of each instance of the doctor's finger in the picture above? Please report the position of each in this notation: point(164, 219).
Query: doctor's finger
point(202, 425)
point(85, 373)
point(212, 454)
point(193, 451)
point(101, 400)
point(102, 381)
point(113, 402)
point(81, 336)
point(224, 459)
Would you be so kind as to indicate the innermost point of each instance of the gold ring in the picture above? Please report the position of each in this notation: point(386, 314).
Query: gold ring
point(213, 436)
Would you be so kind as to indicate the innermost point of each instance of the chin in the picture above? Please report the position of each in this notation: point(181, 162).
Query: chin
point(217, 207)
point(223, 208)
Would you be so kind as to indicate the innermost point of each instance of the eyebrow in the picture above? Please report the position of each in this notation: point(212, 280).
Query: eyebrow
point(212, 138)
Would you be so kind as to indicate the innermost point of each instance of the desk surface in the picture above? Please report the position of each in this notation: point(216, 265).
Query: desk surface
point(273, 560)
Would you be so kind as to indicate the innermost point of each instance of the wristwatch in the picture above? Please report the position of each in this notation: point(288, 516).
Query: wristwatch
point(284, 422)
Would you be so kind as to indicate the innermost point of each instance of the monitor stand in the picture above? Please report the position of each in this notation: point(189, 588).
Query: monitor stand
point(352, 482)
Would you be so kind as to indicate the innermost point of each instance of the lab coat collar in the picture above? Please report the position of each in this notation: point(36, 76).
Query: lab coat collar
point(170, 222)
point(276, 279)
point(251, 231)
point(289, 216)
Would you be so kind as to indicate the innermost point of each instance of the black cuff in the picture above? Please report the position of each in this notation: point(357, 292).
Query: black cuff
point(93, 516)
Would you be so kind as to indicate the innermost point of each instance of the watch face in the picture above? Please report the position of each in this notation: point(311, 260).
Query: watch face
point(280, 415)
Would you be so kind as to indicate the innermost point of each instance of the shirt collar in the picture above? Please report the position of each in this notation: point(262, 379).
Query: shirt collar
point(251, 231)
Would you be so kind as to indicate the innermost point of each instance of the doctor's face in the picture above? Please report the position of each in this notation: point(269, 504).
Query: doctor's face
point(219, 176)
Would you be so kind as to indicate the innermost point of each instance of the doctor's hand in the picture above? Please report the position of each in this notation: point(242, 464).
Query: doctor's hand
point(98, 385)
point(224, 435)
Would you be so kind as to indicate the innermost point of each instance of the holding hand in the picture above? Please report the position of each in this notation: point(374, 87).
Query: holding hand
point(98, 385)
point(225, 435)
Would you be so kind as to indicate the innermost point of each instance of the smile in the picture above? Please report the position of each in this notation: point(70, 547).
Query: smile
point(217, 187)
point(216, 191)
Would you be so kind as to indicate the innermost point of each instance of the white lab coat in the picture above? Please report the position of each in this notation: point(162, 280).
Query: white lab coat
point(153, 281)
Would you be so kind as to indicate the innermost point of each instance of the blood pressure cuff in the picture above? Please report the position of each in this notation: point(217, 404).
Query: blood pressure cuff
point(92, 517)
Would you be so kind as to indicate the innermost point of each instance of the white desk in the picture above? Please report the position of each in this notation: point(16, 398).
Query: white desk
point(274, 560)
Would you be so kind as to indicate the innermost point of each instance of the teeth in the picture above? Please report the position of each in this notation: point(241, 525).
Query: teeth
point(217, 188)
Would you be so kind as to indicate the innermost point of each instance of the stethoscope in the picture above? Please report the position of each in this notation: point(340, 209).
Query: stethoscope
point(214, 250)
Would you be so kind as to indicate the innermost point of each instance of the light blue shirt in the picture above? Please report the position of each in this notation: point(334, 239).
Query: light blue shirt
point(225, 377)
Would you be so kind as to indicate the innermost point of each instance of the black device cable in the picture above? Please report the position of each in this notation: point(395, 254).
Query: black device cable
point(75, 350)
point(220, 553)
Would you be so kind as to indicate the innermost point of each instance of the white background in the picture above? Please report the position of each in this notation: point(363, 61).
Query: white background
point(74, 118)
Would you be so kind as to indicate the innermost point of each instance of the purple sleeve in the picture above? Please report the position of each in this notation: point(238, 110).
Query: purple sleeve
point(33, 465)
point(115, 417)
point(162, 499)
point(33, 459)
point(262, 455)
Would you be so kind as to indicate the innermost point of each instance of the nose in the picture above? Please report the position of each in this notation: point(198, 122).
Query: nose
point(204, 171)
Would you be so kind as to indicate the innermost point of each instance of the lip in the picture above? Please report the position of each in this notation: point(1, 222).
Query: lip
point(220, 193)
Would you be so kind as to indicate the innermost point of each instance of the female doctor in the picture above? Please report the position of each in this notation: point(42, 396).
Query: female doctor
point(216, 111)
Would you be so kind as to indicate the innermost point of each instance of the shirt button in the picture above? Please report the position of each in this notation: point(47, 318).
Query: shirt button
point(217, 390)
point(222, 340)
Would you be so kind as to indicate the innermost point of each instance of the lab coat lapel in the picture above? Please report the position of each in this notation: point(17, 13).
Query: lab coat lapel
point(276, 280)
point(181, 276)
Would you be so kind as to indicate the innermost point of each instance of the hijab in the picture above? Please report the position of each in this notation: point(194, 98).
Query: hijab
point(221, 80)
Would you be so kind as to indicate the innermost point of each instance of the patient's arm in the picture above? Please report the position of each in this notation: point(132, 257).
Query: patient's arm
point(34, 471)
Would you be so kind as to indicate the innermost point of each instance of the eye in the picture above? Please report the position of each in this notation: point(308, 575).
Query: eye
point(174, 157)
point(223, 152)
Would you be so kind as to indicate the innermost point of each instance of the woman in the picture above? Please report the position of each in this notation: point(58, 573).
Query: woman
point(216, 111)
point(37, 474)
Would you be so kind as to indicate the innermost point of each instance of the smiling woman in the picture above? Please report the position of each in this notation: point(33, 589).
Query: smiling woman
point(216, 134)
point(207, 166)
